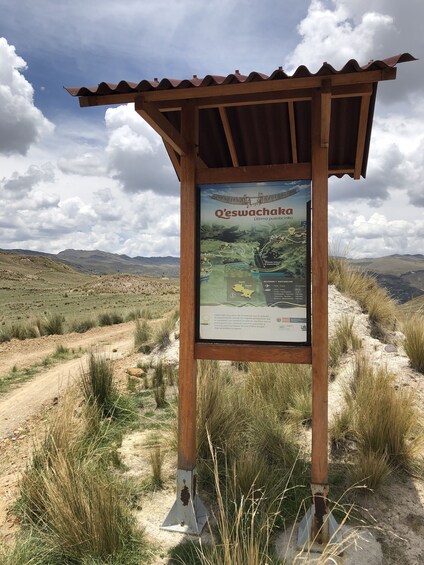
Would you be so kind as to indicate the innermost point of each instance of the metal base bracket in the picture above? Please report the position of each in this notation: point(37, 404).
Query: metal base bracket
point(188, 514)
point(318, 530)
point(307, 540)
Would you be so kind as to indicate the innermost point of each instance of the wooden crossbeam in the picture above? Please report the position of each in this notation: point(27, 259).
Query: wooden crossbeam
point(253, 352)
point(255, 173)
point(229, 136)
point(213, 101)
point(261, 87)
point(161, 125)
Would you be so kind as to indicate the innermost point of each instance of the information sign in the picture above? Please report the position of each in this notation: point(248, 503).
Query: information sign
point(253, 262)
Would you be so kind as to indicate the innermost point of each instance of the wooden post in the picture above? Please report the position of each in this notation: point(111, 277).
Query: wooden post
point(187, 363)
point(188, 514)
point(321, 108)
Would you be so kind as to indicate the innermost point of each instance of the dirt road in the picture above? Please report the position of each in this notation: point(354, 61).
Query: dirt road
point(20, 404)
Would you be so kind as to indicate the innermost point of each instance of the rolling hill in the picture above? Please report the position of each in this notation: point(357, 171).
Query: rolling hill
point(104, 263)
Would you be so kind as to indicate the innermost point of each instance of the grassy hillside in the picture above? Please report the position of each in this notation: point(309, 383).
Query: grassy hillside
point(33, 286)
point(401, 275)
point(104, 263)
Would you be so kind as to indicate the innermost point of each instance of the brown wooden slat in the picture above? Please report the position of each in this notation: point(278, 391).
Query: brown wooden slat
point(293, 140)
point(187, 364)
point(161, 125)
point(255, 173)
point(229, 136)
point(319, 295)
point(362, 134)
point(253, 353)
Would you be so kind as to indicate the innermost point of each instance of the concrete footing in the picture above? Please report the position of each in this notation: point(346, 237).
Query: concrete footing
point(358, 545)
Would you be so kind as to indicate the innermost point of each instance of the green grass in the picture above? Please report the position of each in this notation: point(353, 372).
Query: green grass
point(17, 376)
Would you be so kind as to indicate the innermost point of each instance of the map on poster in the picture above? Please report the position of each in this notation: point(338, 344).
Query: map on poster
point(253, 262)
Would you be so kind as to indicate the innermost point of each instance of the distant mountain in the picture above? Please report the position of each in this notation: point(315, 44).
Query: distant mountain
point(104, 263)
point(402, 275)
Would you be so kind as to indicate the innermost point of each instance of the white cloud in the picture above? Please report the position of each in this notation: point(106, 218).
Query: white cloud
point(84, 164)
point(19, 185)
point(21, 123)
point(136, 155)
point(374, 234)
point(331, 35)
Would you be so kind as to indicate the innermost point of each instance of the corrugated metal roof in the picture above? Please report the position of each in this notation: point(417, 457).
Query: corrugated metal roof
point(326, 69)
point(262, 133)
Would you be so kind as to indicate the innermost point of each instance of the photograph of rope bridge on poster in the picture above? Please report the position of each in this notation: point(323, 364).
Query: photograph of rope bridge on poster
point(253, 258)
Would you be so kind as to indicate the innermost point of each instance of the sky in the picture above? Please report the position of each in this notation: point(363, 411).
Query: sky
point(100, 178)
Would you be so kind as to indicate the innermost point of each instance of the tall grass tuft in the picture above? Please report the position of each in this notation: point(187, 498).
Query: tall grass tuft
point(156, 462)
point(159, 385)
point(244, 523)
point(414, 342)
point(383, 422)
point(82, 326)
point(69, 498)
point(97, 384)
point(373, 299)
point(142, 333)
point(163, 333)
point(110, 318)
point(341, 342)
point(53, 324)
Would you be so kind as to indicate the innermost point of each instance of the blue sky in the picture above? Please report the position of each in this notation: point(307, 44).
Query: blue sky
point(100, 178)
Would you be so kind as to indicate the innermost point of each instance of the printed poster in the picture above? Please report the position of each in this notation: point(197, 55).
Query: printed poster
point(253, 262)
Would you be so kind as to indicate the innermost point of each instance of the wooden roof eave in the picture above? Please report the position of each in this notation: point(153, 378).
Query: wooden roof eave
point(257, 89)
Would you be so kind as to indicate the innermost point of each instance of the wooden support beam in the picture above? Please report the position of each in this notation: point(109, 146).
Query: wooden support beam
point(175, 159)
point(292, 124)
point(319, 296)
point(253, 353)
point(362, 134)
point(229, 136)
point(254, 173)
point(325, 113)
point(187, 363)
point(161, 125)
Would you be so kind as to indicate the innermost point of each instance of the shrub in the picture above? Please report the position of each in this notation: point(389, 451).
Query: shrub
point(414, 342)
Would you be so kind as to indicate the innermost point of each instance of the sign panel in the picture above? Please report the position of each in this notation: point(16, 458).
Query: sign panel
point(254, 262)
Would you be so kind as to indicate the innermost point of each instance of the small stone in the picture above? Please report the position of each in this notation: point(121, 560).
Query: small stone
point(114, 350)
point(390, 348)
point(136, 372)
